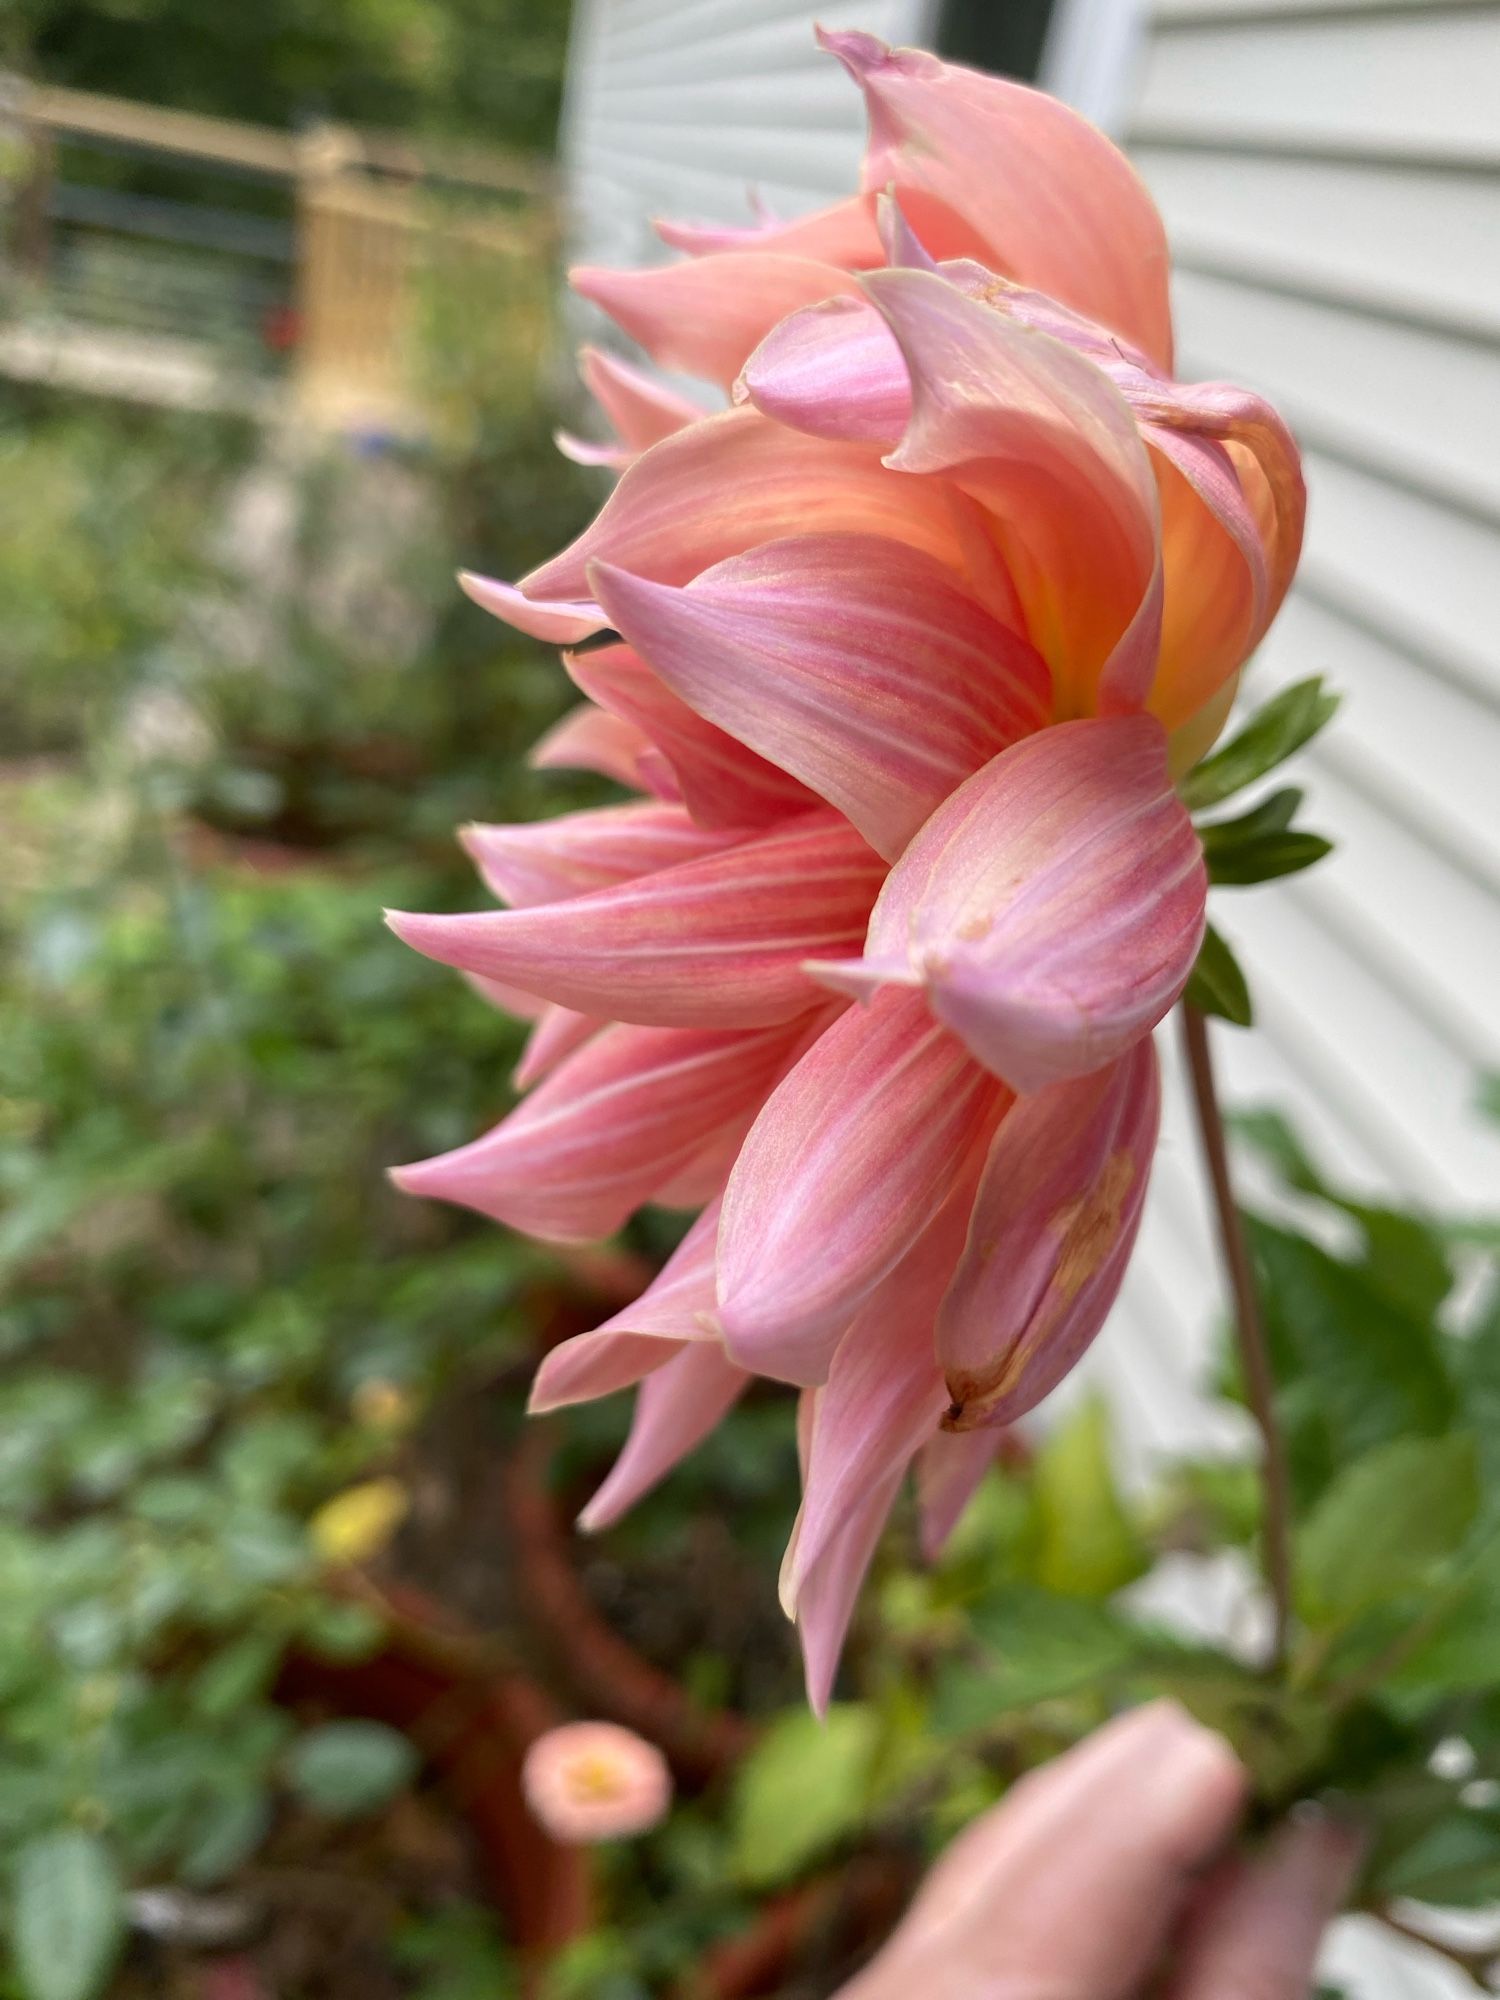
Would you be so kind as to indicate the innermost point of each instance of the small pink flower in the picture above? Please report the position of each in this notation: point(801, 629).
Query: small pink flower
point(591, 1781)
point(899, 652)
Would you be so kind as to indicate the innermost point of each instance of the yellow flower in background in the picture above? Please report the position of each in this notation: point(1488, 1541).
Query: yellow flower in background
point(358, 1523)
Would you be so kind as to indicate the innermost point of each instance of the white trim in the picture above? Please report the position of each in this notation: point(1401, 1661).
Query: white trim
point(1089, 56)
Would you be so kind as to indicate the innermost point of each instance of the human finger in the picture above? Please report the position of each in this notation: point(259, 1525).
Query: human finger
point(1256, 1935)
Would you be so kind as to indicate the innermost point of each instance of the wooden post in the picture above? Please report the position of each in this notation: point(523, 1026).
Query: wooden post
point(354, 259)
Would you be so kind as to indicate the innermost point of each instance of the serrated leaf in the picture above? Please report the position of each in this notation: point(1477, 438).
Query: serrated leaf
point(350, 1767)
point(1351, 1364)
point(1087, 1545)
point(1216, 984)
point(801, 1790)
point(1264, 858)
point(1385, 1525)
point(67, 1917)
point(1404, 1255)
point(1286, 722)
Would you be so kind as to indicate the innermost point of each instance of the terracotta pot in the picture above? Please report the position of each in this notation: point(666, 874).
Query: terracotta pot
point(473, 1720)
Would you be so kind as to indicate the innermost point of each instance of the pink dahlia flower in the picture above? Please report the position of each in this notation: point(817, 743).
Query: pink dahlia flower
point(592, 1781)
point(900, 652)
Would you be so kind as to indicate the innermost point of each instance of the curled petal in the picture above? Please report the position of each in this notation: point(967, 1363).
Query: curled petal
point(1053, 907)
point(704, 316)
point(843, 234)
point(1052, 1230)
point(987, 168)
point(833, 370)
point(608, 1129)
point(591, 739)
point(675, 1409)
point(722, 782)
point(884, 1393)
point(1045, 441)
point(557, 622)
point(558, 1031)
point(716, 942)
point(546, 860)
point(733, 481)
point(676, 1307)
point(851, 1158)
point(858, 665)
point(642, 410)
point(830, 1588)
point(950, 1466)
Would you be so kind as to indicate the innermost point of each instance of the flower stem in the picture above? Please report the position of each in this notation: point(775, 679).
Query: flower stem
point(1249, 1328)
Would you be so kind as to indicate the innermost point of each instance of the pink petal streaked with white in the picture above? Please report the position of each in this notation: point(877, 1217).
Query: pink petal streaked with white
point(850, 1159)
point(1052, 908)
point(675, 1409)
point(1053, 1226)
point(859, 665)
point(718, 942)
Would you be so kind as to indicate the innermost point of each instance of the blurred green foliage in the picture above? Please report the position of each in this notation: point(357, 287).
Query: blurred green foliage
point(221, 758)
point(467, 67)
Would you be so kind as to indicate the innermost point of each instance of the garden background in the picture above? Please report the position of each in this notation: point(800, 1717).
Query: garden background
point(283, 1585)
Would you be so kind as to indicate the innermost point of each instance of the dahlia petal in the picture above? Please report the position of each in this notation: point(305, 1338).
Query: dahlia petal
point(850, 1159)
point(674, 1309)
point(1052, 1230)
point(557, 1032)
point(704, 316)
point(713, 943)
point(555, 622)
point(607, 1129)
point(1257, 437)
point(1214, 575)
point(984, 167)
point(833, 370)
point(856, 664)
point(843, 234)
point(1044, 440)
point(642, 410)
point(735, 480)
point(583, 451)
point(1054, 905)
point(950, 1467)
point(543, 861)
point(590, 739)
point(723, 783)
point(675, 1409)
point(884, 1393)
point(830, 1589)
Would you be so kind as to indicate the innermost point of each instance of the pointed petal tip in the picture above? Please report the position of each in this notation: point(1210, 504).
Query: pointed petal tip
point(860, 53)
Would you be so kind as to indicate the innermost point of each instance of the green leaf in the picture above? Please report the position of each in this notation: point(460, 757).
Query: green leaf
point(802, 1789)
point(1274, 814)
point(1354, 1367)
point(1264, 858)
point(68, 1915)
point(1385, 1524)
point(1286, 722)
point(1217, 985)
point(1087, 1545)
point(1042, 1647)
point(1261, 844)
point(1457, 1861)
point(350, 1767)
point(225, 1834)
point(1405, 1255)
